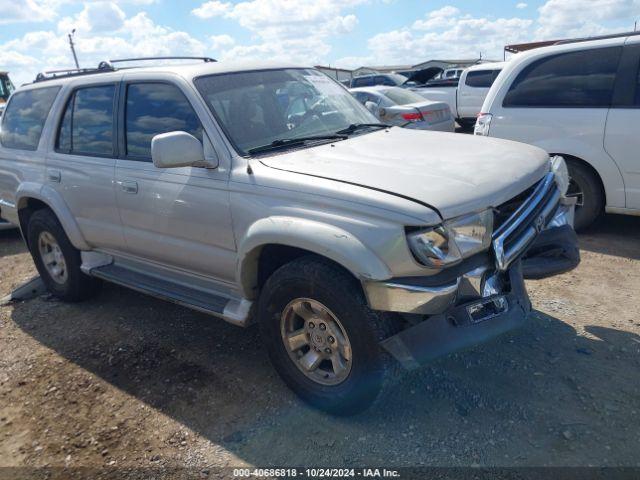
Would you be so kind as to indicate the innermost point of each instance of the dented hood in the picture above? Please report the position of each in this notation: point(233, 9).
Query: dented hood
point(450, 172)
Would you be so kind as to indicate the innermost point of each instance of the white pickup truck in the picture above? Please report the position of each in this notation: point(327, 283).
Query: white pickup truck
point(465, 100)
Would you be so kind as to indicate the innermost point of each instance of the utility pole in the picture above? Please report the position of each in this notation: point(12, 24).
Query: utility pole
point(73, 50)
point(635, 25)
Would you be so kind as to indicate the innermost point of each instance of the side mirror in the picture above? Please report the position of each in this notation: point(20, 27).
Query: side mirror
point(179, 149)
point(372, 107)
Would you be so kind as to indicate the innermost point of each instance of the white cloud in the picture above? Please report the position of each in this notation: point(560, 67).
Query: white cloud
point(212, 9)
point(103, 32)
point(95, 17)
point(521, 5)
point(447, 33)
point(26, 11)
point(219, 42)
point(442, 17)
point(298, 30)
point(568, 18)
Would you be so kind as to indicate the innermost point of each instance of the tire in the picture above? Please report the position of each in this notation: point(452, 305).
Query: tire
point(466, 123)
point(44, 232)
point(316, 280)
point(585, 181)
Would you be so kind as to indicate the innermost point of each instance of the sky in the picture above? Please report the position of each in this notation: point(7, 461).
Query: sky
point(343, 33)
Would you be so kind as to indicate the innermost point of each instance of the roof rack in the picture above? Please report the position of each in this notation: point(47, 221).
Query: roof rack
point(106, 66)
point(71, 72)
point(110, 63)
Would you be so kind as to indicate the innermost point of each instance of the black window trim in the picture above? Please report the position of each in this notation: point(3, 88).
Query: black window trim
point(555, 107)
point(122, 116)
point(46, 120)
point(626, 89)
point(71, 97)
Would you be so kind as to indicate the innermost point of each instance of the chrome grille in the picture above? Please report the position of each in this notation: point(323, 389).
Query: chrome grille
point(514, 235)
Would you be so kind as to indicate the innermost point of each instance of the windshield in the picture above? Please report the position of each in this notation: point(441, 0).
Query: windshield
point(257, 108)
point(400, 96)
point(397, 78)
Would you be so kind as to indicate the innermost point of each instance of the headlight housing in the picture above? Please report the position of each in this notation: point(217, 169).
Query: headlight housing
point(447, 244)
point(561, 172)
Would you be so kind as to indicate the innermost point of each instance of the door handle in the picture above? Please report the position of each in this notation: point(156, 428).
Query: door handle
point(54, 176)
point(128, 186)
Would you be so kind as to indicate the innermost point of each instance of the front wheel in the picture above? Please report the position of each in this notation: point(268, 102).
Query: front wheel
point(322, 337)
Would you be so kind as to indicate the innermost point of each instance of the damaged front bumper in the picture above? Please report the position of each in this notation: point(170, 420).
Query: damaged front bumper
point(485, 295)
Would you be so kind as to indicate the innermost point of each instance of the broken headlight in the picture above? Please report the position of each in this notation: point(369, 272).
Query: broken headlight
point(447, 244)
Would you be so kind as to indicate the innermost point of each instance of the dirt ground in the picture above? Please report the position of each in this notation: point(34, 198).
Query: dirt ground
point(125, 380)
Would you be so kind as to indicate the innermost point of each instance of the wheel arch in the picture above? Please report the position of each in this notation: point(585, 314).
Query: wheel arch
point(33, 197)
point(590, 167)
point(270, 243)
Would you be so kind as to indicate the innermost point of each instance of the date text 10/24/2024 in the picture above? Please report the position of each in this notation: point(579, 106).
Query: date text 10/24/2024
point(316, 472)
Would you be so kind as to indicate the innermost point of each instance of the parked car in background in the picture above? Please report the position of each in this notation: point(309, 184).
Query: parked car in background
point(465, 100)
point(343, 238)
point(449, 74)
point(582, 101)
point(388, 79)
point(6, 87)
point(404, 108)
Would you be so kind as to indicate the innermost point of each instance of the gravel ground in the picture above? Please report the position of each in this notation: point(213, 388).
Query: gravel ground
point(125, 380)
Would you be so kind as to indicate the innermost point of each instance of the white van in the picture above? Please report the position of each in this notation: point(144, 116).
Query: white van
point(582, 101)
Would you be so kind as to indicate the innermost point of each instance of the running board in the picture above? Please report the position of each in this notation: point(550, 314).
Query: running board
point(233, 311)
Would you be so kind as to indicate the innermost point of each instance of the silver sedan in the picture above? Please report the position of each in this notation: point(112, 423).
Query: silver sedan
point(402, 107)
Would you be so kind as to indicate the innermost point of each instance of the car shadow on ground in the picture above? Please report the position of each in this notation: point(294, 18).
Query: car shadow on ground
point(540, 395)
point(617, 235)
point(11, 243)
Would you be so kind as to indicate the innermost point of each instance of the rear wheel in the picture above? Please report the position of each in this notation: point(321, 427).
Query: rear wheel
point(322, 337)
point(585, 187)
point(56, 259)
point(466, 123)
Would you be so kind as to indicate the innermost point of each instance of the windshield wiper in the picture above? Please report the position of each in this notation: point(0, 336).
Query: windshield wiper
point(285, 142)
point(359, 126)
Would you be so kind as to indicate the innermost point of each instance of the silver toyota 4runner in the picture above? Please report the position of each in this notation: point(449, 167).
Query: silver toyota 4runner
point(266, 192)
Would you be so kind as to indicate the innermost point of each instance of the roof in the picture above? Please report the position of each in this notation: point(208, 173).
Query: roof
point(487, 66)
point(324, 67)
point(523, 47)
point(185, 70)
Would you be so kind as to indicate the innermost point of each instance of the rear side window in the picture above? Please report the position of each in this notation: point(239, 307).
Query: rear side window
point(24, 118)
point(363, 82)
point(87, 124)
point(154, 108)
point(481, 78)
point(382, 80)
point(575, 79)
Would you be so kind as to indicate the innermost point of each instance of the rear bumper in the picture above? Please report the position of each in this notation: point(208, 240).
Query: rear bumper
point(444, 126)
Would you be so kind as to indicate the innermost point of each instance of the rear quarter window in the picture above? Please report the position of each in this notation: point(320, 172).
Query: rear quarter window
point(481, 78)
point(25, 116)
point(363, 82)
point(575, 79)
